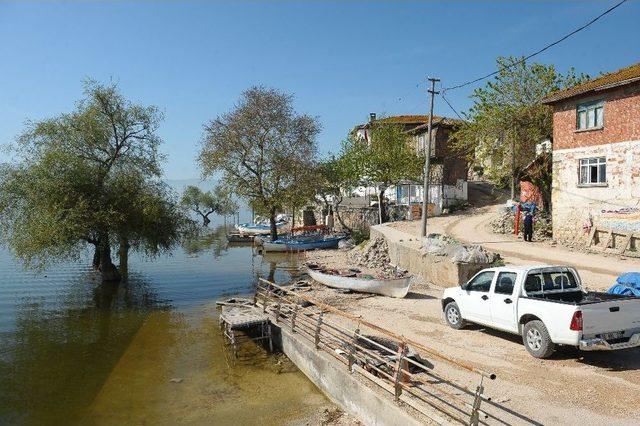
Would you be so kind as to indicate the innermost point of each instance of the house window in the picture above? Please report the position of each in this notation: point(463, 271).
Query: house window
point(590, 115)
point(593, 170)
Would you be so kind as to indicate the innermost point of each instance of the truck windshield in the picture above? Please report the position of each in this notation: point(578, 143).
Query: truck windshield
point(550, 281)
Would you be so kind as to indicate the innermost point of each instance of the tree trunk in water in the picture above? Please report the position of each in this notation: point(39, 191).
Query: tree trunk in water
point(123, 254)
point(107, 268)
point(272, 222)
point(96, 256)
point(205, 221)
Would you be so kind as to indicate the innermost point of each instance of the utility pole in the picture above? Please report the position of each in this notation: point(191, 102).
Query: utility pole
point(425, 184)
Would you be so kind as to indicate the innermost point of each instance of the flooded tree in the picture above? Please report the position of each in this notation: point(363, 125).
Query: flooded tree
point(204, 204)
point(91, 176)
point(261, 146)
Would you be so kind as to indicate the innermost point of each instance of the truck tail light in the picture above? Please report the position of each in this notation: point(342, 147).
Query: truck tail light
point(576, 321)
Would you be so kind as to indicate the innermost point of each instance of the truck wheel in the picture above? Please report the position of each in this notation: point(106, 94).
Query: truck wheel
point(536, 339)
point(452, 316)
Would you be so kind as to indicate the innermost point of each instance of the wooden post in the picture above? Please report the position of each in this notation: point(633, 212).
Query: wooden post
point(352, 350)
point(402, 350)
point(318, 325)
point(293, 318)
point(278, 310)
point(266, 298)
point(475, 411)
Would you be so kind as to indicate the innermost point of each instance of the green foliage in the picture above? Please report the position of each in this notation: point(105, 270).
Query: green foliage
point(388, 157)
point(360, 236)
point(507, 115)
point(89, 176)
point(263, 149)
point(205, 203)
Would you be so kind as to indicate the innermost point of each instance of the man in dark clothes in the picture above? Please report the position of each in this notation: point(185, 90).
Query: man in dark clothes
point(528, 226)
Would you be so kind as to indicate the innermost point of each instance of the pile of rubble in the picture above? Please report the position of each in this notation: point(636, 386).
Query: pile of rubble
point(443, 245)
point(374, 255)
point(503, 221)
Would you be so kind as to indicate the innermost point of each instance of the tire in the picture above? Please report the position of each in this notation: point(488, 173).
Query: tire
point(536, 339)
point(452, 316)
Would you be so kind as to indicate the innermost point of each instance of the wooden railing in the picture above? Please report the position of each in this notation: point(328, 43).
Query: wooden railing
point(392, 362)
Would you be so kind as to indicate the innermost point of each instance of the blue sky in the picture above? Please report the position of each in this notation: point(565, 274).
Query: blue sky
point(342, 60)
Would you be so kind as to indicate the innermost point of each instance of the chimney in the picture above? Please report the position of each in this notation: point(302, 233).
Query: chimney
point(372, 117)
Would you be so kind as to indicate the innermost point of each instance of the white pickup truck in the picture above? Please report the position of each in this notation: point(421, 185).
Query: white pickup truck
point(547, 306)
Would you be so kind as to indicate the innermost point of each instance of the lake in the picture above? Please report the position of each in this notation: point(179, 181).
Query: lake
point(73, 350)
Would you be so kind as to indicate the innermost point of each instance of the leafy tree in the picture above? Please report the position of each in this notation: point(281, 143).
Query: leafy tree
point(202, 203)
point(387, 158)
point(260, 147)
point(88, 177)
point(206, 203)
point(507, 119)
point(333, 177)
point(226, 204)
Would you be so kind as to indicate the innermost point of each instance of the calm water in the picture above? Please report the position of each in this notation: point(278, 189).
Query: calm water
point(73, 350)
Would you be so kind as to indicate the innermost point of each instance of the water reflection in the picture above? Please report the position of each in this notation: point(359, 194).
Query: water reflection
point(55, 361)
point(205, 239)
point(69, 344)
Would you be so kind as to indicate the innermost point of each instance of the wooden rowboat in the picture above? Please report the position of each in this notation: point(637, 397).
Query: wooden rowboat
point(392, 287)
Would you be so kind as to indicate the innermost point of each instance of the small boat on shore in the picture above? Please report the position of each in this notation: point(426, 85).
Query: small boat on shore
point(354, 280)
point(302, 243)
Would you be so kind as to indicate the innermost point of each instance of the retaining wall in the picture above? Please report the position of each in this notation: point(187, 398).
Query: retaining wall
point(437, 270)
point(343, 388)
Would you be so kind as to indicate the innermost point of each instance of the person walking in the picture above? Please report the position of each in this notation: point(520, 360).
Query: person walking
point(528, 226)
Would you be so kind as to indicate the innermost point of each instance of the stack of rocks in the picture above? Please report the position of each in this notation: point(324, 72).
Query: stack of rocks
point(374, 255)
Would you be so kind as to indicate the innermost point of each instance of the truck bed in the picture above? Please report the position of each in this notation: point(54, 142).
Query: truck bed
point(578, 297)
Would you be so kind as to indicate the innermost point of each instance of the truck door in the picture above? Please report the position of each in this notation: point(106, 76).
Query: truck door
point(502, 302)
point(475, 304)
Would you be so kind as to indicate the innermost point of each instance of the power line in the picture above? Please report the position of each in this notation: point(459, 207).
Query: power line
point(450, 106)
point(540, 50)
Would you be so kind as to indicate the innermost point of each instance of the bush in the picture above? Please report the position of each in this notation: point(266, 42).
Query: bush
point(360, 234)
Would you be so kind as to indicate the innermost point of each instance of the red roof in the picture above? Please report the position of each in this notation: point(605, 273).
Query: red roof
point(621, 77)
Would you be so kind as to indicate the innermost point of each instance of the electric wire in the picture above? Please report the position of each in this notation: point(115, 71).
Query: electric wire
point(577, 30)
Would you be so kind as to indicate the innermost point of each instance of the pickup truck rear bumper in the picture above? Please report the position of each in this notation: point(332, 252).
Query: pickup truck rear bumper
point(599, 344)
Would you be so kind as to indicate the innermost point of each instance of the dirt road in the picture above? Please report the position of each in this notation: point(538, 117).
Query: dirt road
point(570, 388)
point(598, 271)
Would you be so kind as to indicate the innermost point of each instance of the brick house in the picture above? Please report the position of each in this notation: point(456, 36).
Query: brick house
point(448, 182)
point(596, 157)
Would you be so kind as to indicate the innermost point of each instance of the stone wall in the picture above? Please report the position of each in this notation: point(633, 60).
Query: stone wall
point(615, 204)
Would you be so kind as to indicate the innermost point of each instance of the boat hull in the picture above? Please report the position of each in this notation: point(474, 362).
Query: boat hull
point(289, 245)
point(251, 228)
point(395, 287)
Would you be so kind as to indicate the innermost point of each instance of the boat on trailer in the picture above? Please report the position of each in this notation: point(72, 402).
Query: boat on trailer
point(354, 280)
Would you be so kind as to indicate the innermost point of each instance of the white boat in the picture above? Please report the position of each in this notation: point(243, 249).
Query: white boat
point(257, 228)
point(392, 287)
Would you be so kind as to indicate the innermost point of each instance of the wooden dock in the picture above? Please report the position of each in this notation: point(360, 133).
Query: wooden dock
point(243, 318)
